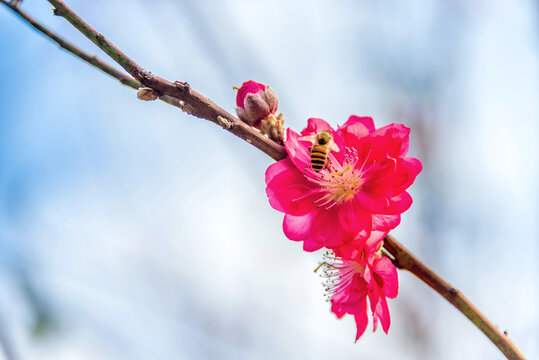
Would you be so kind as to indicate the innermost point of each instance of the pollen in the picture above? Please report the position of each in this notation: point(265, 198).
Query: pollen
point(338, 182)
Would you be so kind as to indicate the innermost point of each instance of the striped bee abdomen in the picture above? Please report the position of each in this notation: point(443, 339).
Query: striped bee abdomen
point(319, 155)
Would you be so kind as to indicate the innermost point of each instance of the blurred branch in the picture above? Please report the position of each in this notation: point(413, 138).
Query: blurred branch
point(405, 260)
point(5, 346)
point(199, 106)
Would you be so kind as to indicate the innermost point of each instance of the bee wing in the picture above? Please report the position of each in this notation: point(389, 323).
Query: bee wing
point(309, 138)
point(334, 147)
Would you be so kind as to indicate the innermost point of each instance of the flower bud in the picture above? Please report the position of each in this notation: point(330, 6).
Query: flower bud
point(147, 94)
point(255, 102)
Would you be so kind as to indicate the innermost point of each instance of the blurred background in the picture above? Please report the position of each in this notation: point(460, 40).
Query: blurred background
point(129, 230)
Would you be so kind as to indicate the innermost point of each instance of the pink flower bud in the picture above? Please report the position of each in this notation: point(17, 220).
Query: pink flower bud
point(255, 102)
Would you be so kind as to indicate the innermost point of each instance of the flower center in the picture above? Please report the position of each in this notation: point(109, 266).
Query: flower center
point(339, 275)
point(338, 182)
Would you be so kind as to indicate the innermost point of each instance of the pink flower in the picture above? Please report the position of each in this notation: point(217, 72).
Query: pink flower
point(365, 275)
point(362, 188)
point(255, 101)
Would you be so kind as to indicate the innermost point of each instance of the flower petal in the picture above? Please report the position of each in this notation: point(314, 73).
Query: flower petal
point(297, 228)
point(399, 204)
point(396, 138)
point(387, 273)
point(289, 192)
point(361, 319)
point(352, 217)
point(315, 125)
point(248, 87)
point(396, 205)
point(277, 168)
point(385, 222)
point(297, 150)
point(356, 128)
point(310, 245)
point(382, 312)
point(374, 240)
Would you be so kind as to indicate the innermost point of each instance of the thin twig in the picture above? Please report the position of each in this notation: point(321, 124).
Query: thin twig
point(195, 103)
point(90, 59)
point(190, 101)
point(405, 260)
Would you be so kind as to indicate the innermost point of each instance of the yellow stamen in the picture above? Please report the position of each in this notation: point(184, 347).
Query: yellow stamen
point(322, 264)
point(341, 172)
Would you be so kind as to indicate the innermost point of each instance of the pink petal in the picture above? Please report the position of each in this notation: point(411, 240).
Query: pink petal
point(290, 193)
point(396, 205)
point(248, 87)
point(399, 204)
point(337, 309)
point(407, 170)
point(315, 125)
point(366, 121)
point(374, 240)
point(361, 320)
point(297, 150)
point(370, 203)
point(297, 228)
point(385, 222)
point(382, 313)
point(352, 217)
point(327, 230)
point(356, 128)
point(310, 246)
point(277, 168)
point(385, 269)
point(396, 137)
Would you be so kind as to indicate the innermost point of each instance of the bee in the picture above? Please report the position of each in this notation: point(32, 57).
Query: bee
point(322, 145)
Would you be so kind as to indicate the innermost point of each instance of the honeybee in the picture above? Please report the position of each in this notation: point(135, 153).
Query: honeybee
point(323, 144)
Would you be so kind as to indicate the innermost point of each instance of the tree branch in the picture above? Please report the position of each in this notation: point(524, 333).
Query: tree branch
point(194, 103)
point(90, 59)
point(180, 94)
point(404, 259)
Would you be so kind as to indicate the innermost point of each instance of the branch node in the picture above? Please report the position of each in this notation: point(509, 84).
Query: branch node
point(58, 12)
point(224, 123)
point(183, 86)
point(186, 108)
point(453, 291)
point(146, 74)
point(100, 39)
point(147, 94)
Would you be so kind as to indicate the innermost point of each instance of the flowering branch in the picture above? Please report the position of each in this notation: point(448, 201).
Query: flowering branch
point(180, 94)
